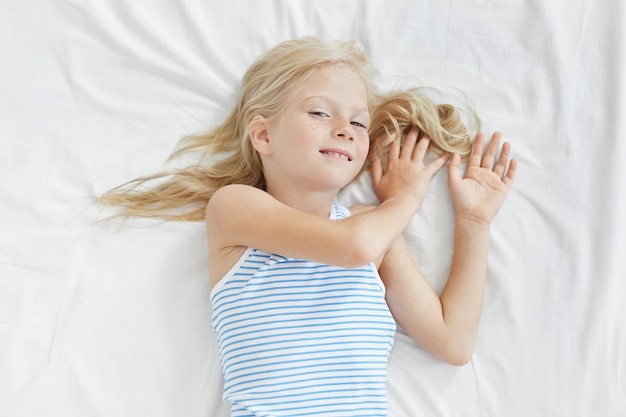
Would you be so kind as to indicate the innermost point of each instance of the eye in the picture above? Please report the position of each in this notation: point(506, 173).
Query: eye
point(358, 124)
point(319, 113)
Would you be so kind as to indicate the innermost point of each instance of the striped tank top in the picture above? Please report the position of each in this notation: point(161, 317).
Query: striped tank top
point(300, 338)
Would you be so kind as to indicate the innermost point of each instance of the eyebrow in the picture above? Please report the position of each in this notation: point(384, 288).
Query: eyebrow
point(327, 98)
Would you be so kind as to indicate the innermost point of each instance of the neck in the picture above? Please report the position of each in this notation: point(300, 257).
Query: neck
point(316, 203)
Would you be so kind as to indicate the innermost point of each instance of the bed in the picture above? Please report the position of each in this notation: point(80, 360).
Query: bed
point(114, 319)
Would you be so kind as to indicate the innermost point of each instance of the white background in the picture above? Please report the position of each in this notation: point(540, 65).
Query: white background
point(116, 322)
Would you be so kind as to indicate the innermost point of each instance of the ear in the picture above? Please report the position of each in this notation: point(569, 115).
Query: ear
point(259, 135)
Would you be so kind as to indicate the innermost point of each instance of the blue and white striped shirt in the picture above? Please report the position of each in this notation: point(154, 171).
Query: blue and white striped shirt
point(299, 338)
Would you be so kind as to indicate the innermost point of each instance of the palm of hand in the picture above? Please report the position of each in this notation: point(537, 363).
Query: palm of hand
point(406, 173)
point(479, 194)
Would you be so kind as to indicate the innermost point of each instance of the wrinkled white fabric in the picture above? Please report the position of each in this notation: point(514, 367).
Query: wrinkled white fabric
point(99, 322)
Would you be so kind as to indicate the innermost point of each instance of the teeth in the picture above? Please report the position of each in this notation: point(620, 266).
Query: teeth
point(338, 155)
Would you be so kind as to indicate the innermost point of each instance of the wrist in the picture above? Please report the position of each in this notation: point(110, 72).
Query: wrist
point(404, 201)
point(472, 223)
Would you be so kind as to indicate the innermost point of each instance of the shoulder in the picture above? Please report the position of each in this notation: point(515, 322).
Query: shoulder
point(236, 192)
point(231, 196)
point(231, 205)
point(227, 212)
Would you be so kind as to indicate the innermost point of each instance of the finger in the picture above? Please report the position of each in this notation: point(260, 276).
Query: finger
point(420, 149)
point(477, 151)
point(510, 174)
point(503, 161)
point(489, 158)
point(454, 168)
point(394, 151)
point(437, 164)
point(377, 169)
point(409, 143)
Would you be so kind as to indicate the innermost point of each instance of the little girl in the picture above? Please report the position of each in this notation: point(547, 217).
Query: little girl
point(306, 293)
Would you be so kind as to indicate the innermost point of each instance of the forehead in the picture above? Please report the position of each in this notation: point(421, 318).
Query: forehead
point(337, 82)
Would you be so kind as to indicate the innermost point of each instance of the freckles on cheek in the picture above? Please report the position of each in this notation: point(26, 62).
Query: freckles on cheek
point(314, 125)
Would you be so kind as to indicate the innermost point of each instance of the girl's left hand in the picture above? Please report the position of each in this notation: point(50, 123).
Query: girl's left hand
point(478, 195)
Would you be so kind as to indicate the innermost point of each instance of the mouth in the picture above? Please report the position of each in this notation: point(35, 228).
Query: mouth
point(337, 153)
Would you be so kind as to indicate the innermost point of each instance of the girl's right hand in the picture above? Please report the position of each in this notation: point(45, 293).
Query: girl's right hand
point(406, 175)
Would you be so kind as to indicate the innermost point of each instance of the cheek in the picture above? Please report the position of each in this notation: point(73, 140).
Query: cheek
point(363, 146)
point(317, 126)
point(364, 143)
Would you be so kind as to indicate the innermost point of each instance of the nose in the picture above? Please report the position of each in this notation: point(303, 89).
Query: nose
point(342, 129)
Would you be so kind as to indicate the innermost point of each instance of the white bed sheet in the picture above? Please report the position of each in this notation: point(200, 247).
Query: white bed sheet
point(97, 322)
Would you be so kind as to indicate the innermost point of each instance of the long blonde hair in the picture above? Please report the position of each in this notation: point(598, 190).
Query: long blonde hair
point(226, 156)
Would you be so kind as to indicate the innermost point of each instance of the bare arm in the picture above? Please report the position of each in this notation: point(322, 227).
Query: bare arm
point(447, 325)
point(240, 216)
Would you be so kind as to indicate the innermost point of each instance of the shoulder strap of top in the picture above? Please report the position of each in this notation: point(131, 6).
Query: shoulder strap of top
point(338, 212)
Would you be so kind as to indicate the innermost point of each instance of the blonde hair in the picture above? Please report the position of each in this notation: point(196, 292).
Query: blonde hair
point(397, 113)
point(226, 155)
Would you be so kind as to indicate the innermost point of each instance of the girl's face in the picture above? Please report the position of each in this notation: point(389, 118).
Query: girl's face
point(320, 142)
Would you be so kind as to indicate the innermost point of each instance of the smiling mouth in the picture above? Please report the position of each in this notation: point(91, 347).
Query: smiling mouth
point(338, 155)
